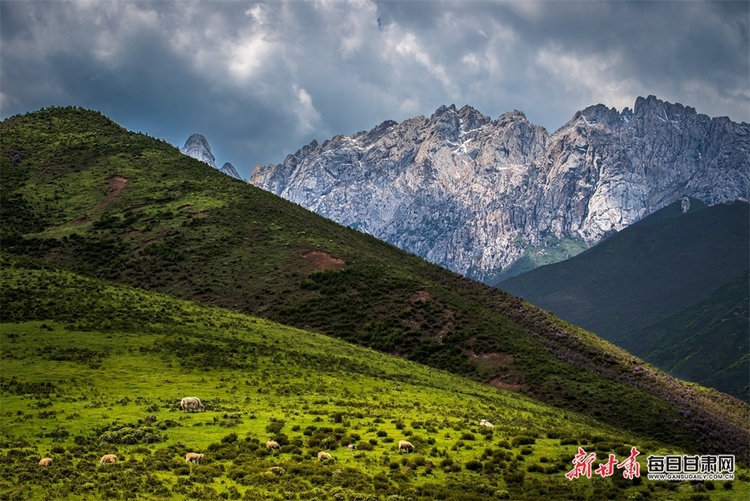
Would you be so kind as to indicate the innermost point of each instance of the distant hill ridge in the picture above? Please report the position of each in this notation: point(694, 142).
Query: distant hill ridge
point(87, 195)
point(493, 198)
point(626, 286)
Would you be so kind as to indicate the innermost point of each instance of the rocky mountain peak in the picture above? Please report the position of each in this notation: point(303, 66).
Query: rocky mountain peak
point(477, 195)
point(600, 114)
point(443, 109)
point(197, 147)
point(378, 131)
point(511, 117)
point(472, 119)
point(656, 109)
point(230, 171)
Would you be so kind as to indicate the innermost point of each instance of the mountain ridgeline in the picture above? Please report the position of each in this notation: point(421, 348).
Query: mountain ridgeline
point(83, 193)
point(491, 199)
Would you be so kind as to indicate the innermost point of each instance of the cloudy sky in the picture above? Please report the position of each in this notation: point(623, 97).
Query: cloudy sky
point(262, 79)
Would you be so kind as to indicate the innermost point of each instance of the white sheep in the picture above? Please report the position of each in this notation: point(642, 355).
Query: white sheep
point(193, 457)
point(45, 462)
point(108, 458)
point(191, 403)
point(405, 446)
point(272, 444)
point(324, 456)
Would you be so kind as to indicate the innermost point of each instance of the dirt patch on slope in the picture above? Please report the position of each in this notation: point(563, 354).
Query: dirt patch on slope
point(323, 261)
point(116, 184)
point(499, 358)
point(420, 296)
point(500, 384)
point(494, 363)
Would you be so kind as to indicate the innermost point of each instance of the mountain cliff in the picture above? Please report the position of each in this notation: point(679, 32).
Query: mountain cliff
point(230, 171)
point(492, 198)
point(197, 147)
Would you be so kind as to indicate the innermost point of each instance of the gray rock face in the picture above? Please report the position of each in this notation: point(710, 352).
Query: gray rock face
point(230, 171)
point(197, 147)
point(475, 194)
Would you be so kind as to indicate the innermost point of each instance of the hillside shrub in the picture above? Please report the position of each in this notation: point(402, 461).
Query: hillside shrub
point(473, 465)
point(523, 440)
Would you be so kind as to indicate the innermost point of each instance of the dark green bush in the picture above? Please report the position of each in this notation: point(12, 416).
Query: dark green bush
point(473, 465)
point(523, 440)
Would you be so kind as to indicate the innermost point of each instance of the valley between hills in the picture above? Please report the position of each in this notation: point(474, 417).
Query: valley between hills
point(133, 276)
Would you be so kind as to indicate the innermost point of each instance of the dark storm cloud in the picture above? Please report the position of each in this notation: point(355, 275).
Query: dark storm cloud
point(261, 79)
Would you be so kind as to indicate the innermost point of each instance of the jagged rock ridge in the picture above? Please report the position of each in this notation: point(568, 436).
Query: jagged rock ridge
point(475, 194)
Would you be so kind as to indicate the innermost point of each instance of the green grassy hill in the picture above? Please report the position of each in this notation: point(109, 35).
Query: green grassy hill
point(693, 342)
point(80, 191)
point(648, 272)
point(91, 368)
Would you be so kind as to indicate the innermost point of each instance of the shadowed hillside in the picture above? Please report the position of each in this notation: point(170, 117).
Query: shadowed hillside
point(80, 191)
point(653, 270)
point(706, 342)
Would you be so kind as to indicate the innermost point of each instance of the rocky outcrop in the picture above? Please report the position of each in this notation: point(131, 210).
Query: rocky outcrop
point(475, 194)
point(197, 147)
point(230, 171)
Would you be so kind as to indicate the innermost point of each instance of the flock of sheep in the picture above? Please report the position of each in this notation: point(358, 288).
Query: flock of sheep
point(194, 404)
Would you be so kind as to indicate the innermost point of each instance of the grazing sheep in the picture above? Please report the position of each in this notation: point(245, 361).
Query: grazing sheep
point(486, 424)
point(324, 456)
point(192, 457)
point(191, 404)
point(278, 470)
point(403, 445)
point(45, 462)
point(351, 447)
point(108, 458)
point(272, 444)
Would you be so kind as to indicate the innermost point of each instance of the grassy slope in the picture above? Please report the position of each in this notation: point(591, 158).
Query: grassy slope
point(95, 368)
point(120, 206)
point(693, 342)
point(552, 250)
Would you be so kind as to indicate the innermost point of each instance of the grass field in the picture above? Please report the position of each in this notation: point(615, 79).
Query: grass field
point(108, 377)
